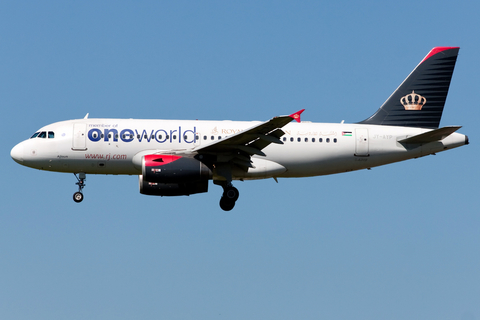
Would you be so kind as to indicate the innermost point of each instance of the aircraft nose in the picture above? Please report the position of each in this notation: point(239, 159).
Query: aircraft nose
point(17, 153)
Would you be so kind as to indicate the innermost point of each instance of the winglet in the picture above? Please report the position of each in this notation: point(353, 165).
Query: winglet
point(296, 115)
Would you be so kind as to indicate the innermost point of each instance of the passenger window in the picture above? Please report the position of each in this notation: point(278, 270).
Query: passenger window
point(42, 134)
point(299, 139)
point(313, 139)
point(204, 137)
point(306, 139)
point(284, 139)
point(335, 140)
point(291, 139)
point(327, 140)
point(35, 135)
point(320, 139)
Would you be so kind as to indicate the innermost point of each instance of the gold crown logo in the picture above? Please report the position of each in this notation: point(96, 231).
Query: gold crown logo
point(413, 101)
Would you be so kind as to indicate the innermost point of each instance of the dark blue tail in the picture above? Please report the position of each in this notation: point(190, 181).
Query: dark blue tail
point(419, 100)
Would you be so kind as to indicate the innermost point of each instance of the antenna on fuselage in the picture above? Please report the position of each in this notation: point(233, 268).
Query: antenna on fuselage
point(86, 116)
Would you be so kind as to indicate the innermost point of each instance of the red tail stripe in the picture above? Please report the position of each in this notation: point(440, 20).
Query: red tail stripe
point(436, 50)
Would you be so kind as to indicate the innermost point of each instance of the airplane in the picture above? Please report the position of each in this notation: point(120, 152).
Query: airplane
point(179, 157)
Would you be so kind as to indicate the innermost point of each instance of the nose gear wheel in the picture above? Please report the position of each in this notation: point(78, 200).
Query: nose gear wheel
point(78, 196)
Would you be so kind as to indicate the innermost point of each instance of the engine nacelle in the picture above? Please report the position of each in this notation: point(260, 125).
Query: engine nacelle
point(172, 175)
point(172, 189)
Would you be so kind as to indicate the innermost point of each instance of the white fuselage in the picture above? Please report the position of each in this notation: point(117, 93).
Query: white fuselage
point(116, 146)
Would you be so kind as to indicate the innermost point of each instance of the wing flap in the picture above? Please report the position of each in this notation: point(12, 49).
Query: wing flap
point(246, 149)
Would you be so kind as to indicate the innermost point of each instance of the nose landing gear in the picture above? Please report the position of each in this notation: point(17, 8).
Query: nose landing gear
point(78, 196)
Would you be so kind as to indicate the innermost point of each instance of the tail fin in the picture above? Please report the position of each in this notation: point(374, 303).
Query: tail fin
point(419, 100)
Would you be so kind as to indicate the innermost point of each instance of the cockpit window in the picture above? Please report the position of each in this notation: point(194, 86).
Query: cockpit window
point(43, 134)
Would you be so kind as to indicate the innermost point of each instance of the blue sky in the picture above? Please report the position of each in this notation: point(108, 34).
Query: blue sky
point(396, 242)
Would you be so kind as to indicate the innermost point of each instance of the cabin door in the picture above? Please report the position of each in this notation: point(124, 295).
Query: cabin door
point(79, 136)
point(361, 143)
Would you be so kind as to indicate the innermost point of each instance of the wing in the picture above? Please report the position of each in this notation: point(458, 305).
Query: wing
point(238, 148)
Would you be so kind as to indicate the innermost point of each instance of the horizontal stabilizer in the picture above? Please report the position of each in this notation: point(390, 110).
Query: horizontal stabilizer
point(431, 136)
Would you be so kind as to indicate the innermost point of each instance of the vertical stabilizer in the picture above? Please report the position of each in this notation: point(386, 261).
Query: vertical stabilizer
point(419, 100)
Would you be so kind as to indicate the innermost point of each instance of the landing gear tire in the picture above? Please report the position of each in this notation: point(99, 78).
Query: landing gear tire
point(78, 197)
point(226, 204)
point(229, 197)
point(231, 193)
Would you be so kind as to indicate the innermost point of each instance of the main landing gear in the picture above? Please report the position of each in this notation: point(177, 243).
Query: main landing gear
point(78, 196)
point(229, 197)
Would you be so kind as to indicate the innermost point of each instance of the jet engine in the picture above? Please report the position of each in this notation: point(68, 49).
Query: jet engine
point(172, 175)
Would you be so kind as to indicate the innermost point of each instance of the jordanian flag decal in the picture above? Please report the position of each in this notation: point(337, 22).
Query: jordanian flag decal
point(346, 133)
